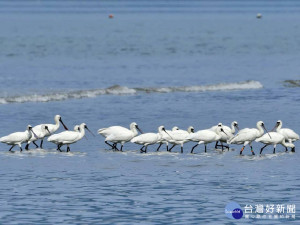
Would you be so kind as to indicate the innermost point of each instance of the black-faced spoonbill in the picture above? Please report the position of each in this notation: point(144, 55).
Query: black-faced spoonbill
point(40, 133)
point(149, 138)
point(247, 135)
point(290, 135)
point(277, 138)
point(179, 137)
point(51, 127)
point(205, 137)
point(118, 134)
point(18, 138)
point(229, 131)
point(166, 138)
point(69, 137)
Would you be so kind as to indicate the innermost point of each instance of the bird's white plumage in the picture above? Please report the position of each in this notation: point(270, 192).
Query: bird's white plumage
point(289, 134)
point(51, 127)
point(40, 133)
point(180, 136)
point(68, 137)
point(17, 138)
point(119, 134)
point(149, 138)
point(205, 136)
point(247, 135)
point(276, 138)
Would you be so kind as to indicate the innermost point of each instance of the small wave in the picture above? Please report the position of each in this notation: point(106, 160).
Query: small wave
point(122, 90)
point(291, 83)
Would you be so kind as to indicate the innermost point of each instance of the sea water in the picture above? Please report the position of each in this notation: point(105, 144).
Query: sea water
point(171, 63)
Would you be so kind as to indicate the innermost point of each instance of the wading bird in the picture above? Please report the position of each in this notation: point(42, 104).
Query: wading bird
point(277, 138)
point(69, 137)
point(229, 131)
point(51, 128)
point(179, 137)
point(148, 138)
point(118, 134)
point(205, 137)
point(247, 135)
point(290, 135)
point(18, 138)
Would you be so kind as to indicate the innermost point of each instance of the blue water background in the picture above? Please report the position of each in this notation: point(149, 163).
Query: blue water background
point(56, 46)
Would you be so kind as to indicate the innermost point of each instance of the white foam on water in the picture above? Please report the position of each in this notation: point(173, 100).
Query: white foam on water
point(123, 90)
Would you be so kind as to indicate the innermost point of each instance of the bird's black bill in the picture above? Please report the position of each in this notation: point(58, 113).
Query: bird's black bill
point(89, 131)
point(224, 132)
point(267, 131)
point(276, 125)
point(237, 127)
point(34, 133)
point(63, 124)
point(167, 133)
point(48, 130)
point(139, 129)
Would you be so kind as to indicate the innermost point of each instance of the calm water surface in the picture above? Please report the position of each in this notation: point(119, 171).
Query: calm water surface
point(62, 57)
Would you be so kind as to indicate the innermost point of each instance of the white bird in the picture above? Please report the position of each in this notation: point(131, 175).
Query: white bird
point(205, 137)
point(229, 131)
point(179, 137)
point(68, 137)
point(40, 134)
point(118, 134)
point(290, 135)
point(149, 138)
point(277, 138)
point(51, 128)
point(18, 138)
point(247, 135)
point(166, 138)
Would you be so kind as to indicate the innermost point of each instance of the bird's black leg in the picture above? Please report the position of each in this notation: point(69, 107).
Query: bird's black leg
point(252, 150)
point(11, 148)
point(205, 148)
point(58, 147)
point(21, 149)
point(194, 147)
point(35, 144)
point(216, 146)
point(112, 146)
point(171, 148)
point(293, 149)
point(121, 148)
point(159, 147)
point(286, 149)
point(26, 147)
point(167, 148)
point(262, 149)
point(181, 149)
point(241, 152)
point(274, 151)
point(68, 149)
point(222, 146)
point(142, 149)
point(146, 149)
point(41, 145)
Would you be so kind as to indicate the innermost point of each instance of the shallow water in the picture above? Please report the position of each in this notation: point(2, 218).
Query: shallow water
point(178, 65)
